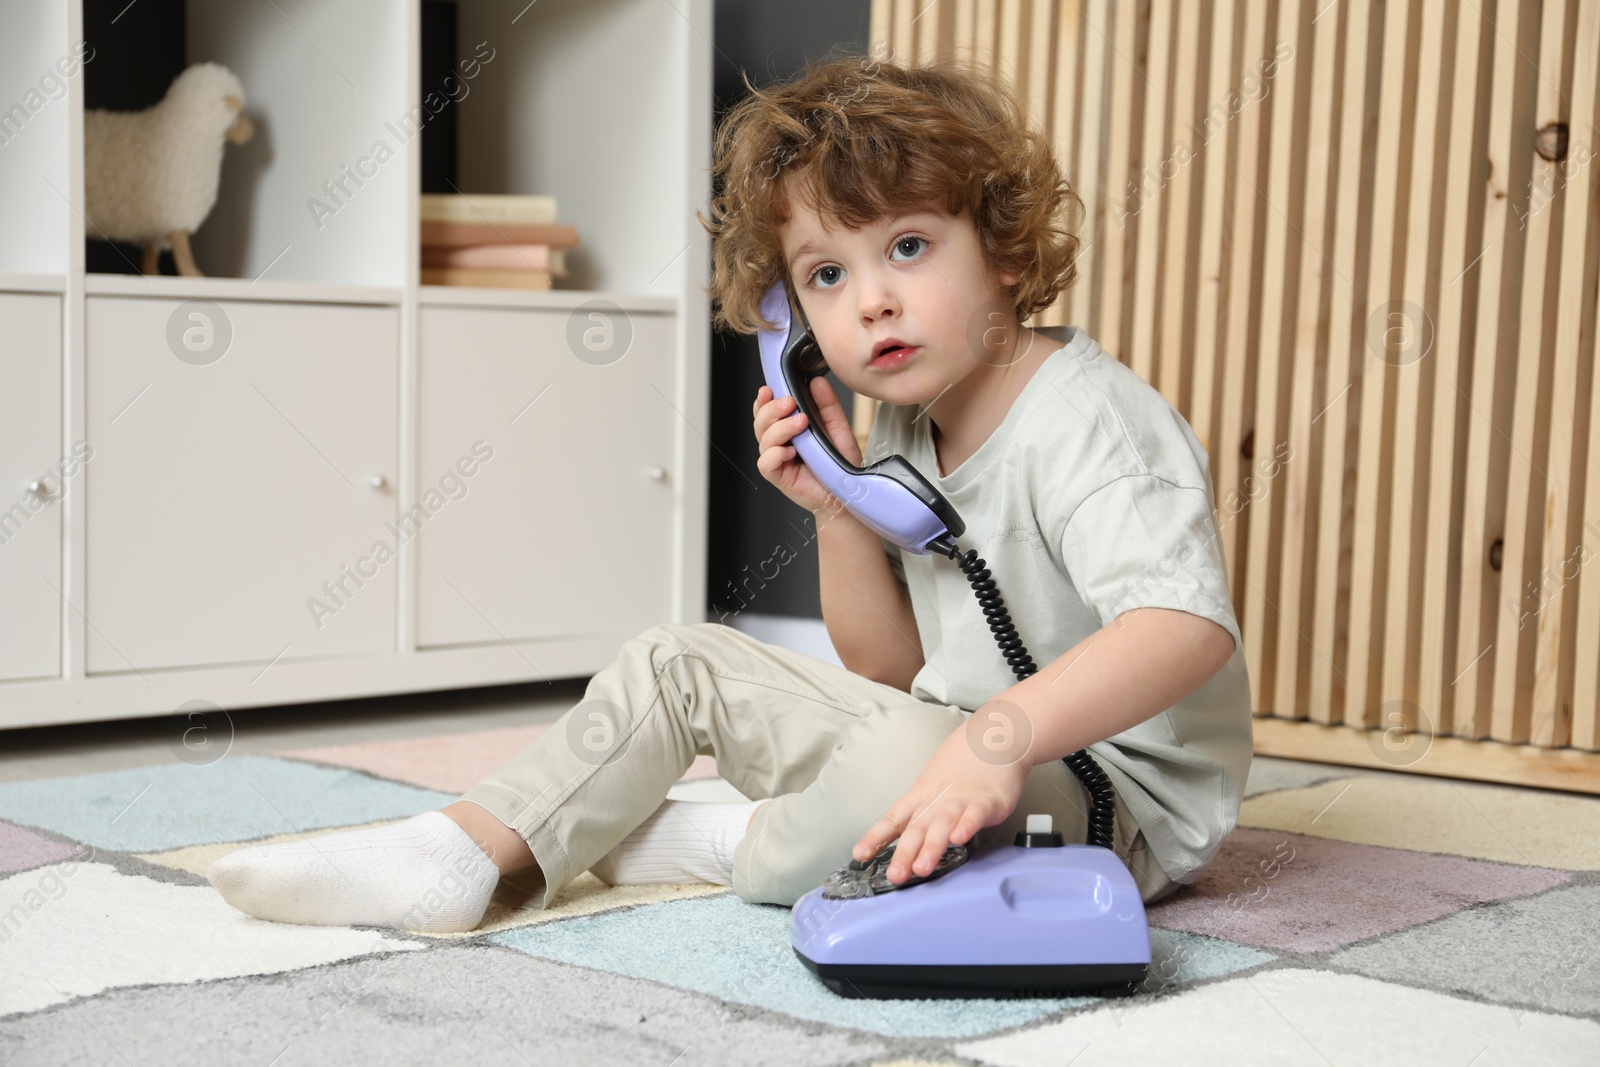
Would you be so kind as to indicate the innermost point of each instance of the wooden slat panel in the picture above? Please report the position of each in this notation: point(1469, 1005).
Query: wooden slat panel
point(966, 27)
point(1352, 243)
point(1369, 558)
point(1303, 365)
point(1530, 419)
point(1146, 199)
point(1176, 310)
point(1447, 756)
point(1093, 136)
point(1564, 550)
point(1240, 347)
point(1064, 89)
point(1411, 370)
point(1012, 65)
point(1258, 621)
point(943, 15)
point(1128, 84)
point(1252, 288)
point(1042, 55)
point(881, 19)
point(1586, 680)
point(1066, 85)
point(902, 31)
point(929, 19)
point(1488, 451)
point(1218, 129)
point(1453, 350)
point(986, 41)
point(1584, 183)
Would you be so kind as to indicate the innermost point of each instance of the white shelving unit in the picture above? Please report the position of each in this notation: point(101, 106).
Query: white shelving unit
point(376, 486)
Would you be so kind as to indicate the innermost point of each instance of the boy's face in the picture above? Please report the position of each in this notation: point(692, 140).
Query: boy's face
point(919, 278)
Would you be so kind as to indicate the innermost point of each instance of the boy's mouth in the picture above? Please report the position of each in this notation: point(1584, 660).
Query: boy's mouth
point(893, 355)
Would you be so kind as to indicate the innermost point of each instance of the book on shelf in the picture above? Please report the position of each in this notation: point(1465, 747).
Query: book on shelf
point(488, 207)
point(498, 257)
point(491, 279)
point(463, 234)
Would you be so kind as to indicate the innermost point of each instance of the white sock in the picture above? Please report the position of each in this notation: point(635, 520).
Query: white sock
point(683, 841)
point(423, 874)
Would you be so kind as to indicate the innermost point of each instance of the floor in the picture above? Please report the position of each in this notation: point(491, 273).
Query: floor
point(1449, 922)
point(87, 748)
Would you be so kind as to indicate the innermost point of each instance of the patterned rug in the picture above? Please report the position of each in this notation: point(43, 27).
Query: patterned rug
point(1354, 917)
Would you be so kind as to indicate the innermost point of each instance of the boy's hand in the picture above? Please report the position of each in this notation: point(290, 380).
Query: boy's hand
point(776, 421)
point(956, 795)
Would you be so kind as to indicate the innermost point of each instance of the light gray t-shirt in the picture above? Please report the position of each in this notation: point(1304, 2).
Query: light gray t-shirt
point(1090, 499)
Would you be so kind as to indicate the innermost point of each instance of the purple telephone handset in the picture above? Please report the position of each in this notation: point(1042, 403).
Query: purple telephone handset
point(890, 496)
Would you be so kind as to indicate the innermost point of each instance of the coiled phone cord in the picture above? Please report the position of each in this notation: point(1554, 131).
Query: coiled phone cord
point(1102, 796)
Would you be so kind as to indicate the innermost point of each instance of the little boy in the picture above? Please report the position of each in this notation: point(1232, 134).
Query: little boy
point(917, 222)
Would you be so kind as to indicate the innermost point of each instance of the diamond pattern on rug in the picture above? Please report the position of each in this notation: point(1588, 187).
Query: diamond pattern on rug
point(1538, 954)
point(1310, 894)
point(22, 849)
point(728, 948)
point(235, 799)
point(1294, 1015)
point(74, 929)
point(456, 1004)
point(1178, 959)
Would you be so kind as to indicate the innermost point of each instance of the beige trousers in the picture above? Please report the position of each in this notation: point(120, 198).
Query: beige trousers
point(831, 748)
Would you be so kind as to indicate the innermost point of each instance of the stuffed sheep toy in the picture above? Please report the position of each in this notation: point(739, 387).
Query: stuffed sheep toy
point(151, 176)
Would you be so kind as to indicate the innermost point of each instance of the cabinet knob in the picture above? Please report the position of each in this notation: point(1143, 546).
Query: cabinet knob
point(658, 474)
point(37, 486)
point(377, 481)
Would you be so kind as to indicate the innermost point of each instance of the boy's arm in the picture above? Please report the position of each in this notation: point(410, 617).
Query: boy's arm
point(865, 608)
point(1140, 663)
point(1135, 667)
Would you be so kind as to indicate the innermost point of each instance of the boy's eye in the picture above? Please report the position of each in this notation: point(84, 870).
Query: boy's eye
point(910, 241)
point(900, 245)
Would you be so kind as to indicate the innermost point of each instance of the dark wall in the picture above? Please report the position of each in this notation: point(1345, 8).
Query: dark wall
point(762, 553)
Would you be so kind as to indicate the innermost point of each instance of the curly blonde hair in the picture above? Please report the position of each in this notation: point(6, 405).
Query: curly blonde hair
point(858, 139)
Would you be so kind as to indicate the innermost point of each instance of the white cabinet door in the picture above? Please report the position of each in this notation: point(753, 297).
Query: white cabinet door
point(31, 452)
point(241, 495)
point(564, 523)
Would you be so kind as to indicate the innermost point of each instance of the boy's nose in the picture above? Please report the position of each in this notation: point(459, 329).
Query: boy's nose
point(878, 301)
